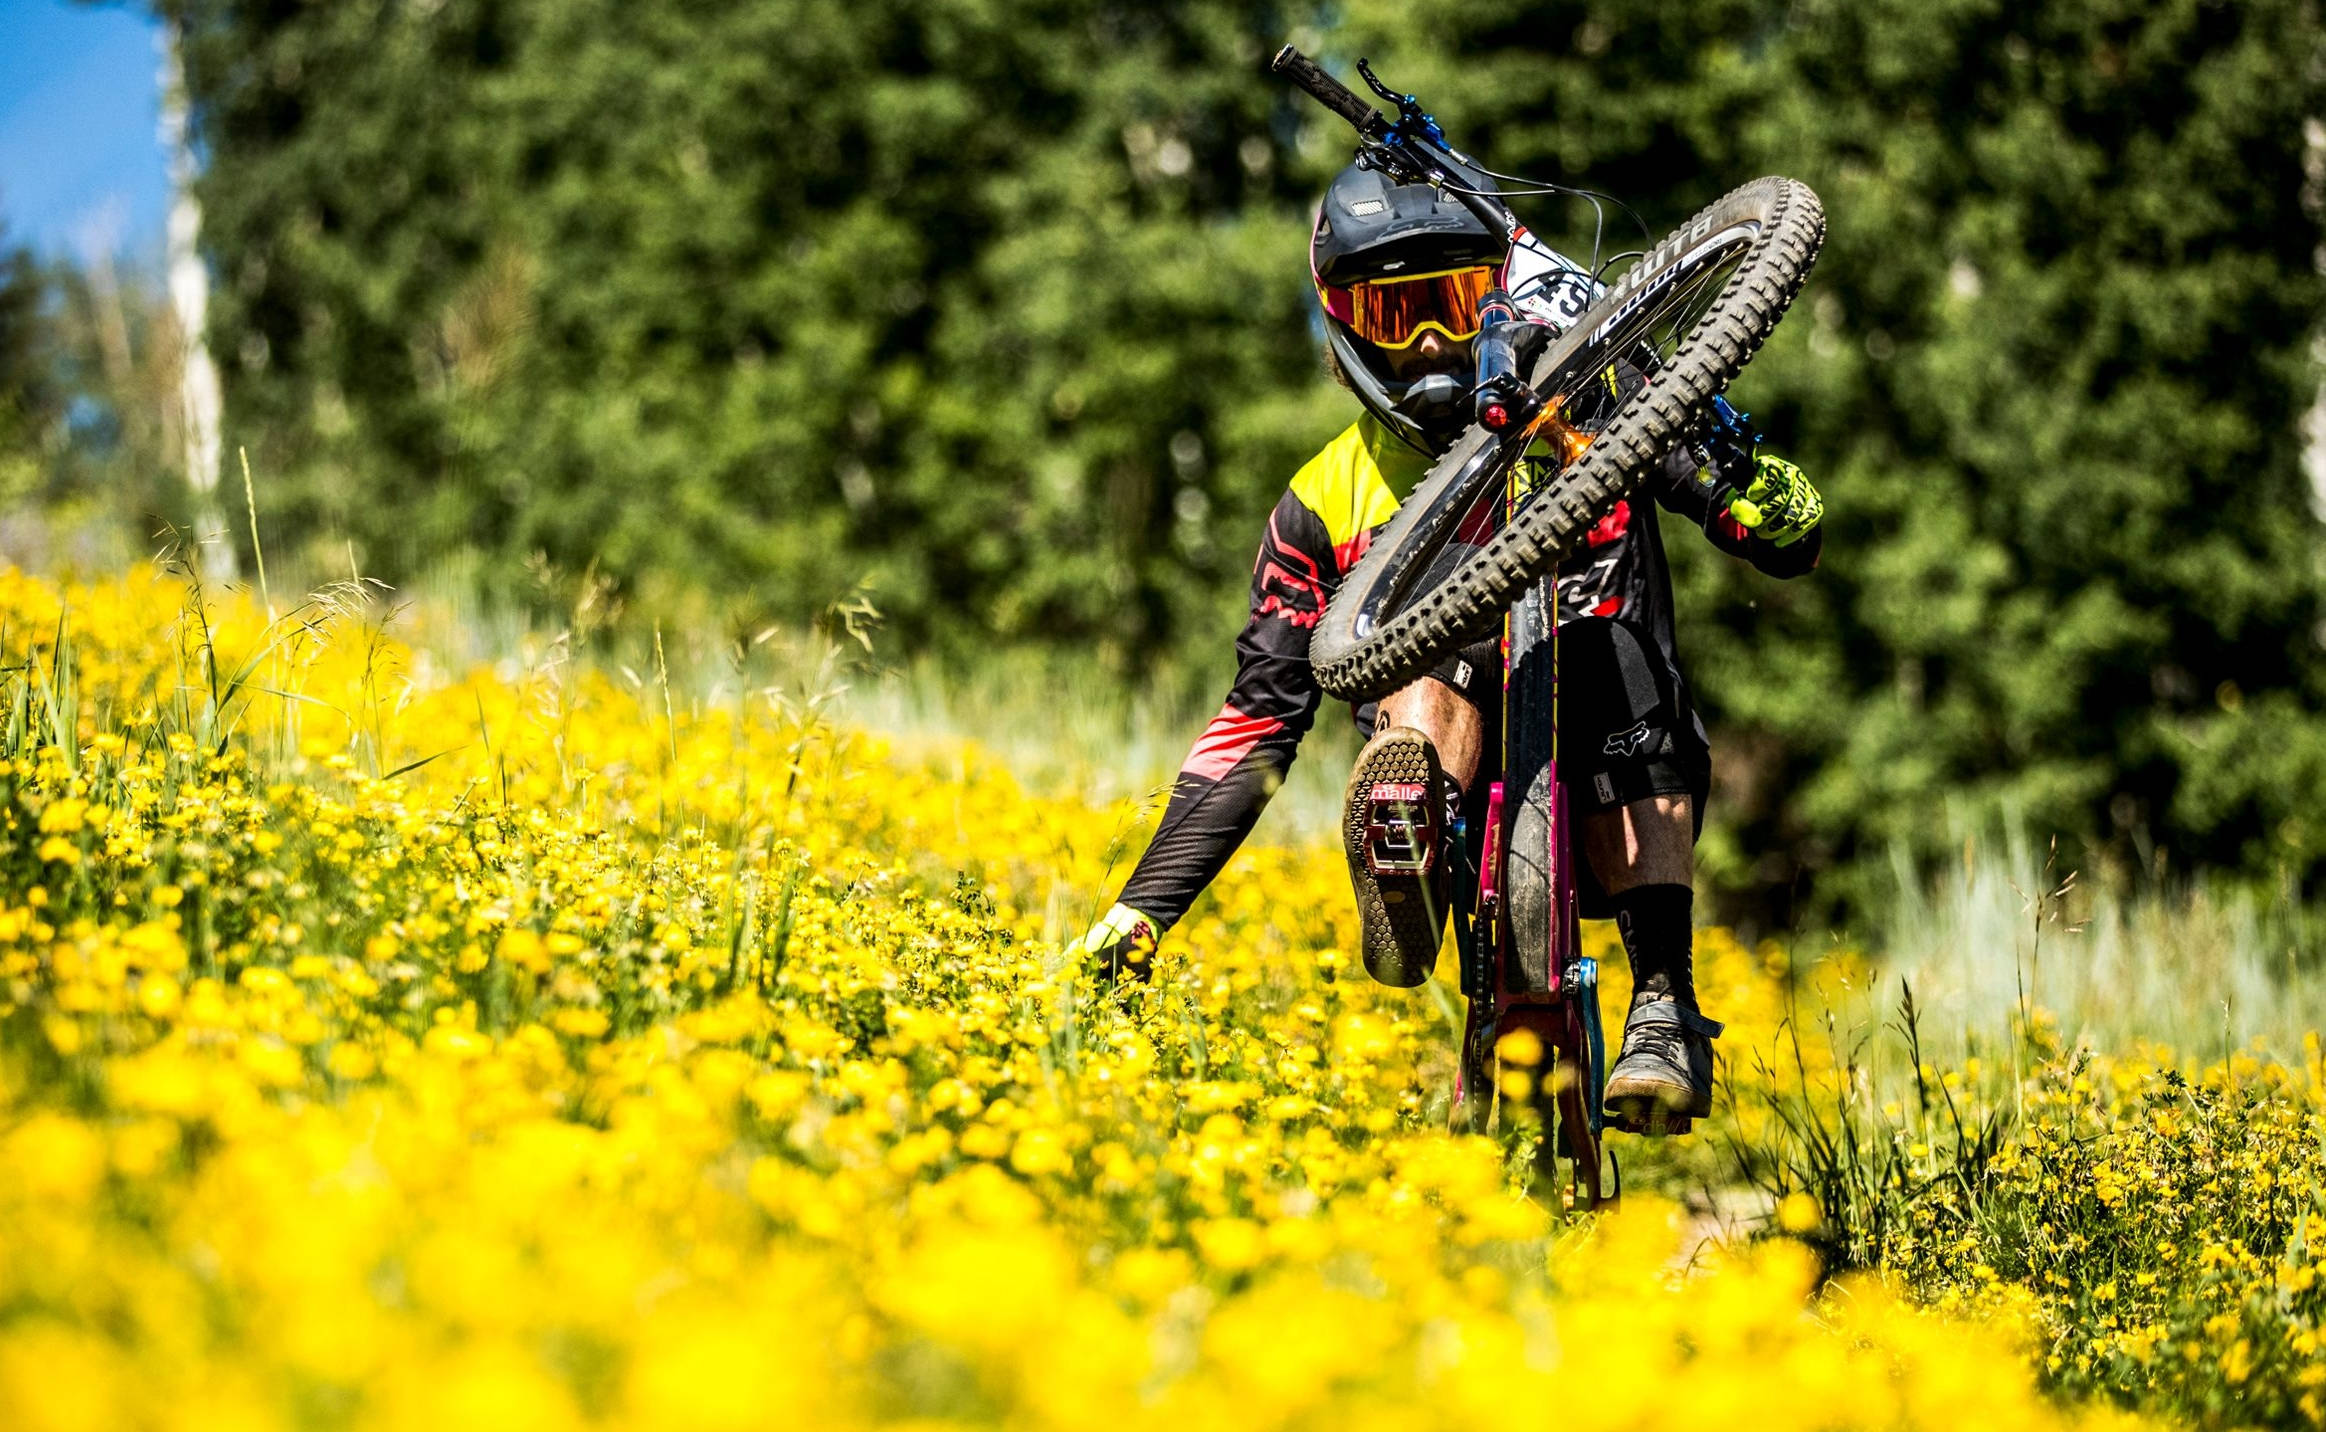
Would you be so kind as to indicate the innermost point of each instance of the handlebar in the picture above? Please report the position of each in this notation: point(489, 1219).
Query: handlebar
point(1329, 92)
point(1415, 152)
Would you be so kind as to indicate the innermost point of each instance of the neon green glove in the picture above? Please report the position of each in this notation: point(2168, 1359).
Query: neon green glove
point(1778, 503)
point(1121, 943)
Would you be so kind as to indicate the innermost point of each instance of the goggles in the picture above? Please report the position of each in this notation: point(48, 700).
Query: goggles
point(1395, 312)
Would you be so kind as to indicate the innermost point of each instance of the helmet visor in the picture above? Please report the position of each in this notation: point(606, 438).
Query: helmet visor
point(1395, 312)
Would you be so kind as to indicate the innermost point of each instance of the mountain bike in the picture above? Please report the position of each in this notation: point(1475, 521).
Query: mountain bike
point(1564, 422)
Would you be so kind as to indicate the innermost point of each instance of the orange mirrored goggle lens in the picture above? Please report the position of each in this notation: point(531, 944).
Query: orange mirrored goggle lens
point(1395, 312)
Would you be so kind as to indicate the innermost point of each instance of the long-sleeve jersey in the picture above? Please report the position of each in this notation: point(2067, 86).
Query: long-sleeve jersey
point(1318, 530)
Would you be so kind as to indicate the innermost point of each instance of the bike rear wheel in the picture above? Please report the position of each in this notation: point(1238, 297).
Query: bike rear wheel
point(1620, 387)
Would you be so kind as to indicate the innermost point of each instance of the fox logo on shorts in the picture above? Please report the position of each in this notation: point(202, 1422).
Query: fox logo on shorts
point(1630, 742)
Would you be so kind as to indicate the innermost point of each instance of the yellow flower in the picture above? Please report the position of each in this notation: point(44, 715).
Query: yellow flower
point(524, 949)
point(1040, 1151)
point(1797, 1212)
point(581, 1023)
point(1231, 1244)
point(350, 1062)
point(56, 1157)
point(1520, 1047)
point(159, 995)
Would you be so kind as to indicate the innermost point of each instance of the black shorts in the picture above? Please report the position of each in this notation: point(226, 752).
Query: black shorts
point(1626, 729)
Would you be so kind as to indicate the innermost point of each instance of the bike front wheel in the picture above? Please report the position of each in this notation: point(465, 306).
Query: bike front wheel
point(1619, 388)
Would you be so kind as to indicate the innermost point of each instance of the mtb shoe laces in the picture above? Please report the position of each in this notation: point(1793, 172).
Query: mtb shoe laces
point(1663, 1078)
point(1393, 829)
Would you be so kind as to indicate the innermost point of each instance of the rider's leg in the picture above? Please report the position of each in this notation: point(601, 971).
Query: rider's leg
point(1644, 857)
point(1446, 717)
point(1408, 783)
point(1648, 842)
point(1638, 775)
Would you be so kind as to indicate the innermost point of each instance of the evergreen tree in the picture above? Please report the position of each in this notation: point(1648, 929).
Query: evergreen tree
point(2048, 372)
point(1003, 304)
point(999, 304)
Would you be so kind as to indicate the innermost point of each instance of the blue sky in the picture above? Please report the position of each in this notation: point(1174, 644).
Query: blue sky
point(79, 110)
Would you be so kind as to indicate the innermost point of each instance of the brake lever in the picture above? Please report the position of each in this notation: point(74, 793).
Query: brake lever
point(1411, 122)
point(1727, 447)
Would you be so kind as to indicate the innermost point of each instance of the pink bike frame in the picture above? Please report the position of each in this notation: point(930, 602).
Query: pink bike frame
point(1559, 1003)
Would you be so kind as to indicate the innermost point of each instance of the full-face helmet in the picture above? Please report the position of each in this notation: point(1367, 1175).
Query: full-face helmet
point(1392, 262)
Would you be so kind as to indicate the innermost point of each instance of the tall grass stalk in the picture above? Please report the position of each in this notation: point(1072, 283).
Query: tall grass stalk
point(2203, 968)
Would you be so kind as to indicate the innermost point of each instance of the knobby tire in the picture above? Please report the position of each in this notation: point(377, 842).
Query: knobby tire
point(1406, 641)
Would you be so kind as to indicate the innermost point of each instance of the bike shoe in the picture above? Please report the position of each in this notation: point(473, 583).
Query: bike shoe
point(1393, 828)
point(1662, 1079)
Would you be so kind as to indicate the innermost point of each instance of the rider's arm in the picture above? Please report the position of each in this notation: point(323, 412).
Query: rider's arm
point(1696, 491)
point(1240, 759)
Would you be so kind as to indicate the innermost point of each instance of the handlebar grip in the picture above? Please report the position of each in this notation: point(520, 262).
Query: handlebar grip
point(1329, 92)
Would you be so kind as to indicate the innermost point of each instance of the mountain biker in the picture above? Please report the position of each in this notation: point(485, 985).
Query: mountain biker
point(1399, 270)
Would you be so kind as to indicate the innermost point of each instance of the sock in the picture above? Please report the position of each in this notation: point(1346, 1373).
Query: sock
point(1658, 935)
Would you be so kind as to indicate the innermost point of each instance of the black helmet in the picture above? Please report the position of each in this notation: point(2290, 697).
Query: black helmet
point(1369, 228)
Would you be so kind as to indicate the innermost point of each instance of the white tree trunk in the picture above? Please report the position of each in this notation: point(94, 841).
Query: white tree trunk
point(199, 398)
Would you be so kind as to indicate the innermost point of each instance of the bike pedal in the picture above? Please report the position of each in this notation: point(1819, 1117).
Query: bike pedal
point(1401, 828)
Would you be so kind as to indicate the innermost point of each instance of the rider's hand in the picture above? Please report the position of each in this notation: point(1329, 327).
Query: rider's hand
point(1121, 943)
point(1778, 503)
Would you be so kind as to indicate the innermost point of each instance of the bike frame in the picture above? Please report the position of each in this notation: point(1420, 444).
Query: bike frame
point(1551, 991)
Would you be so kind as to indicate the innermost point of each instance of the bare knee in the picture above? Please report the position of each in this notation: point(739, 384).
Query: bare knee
point(1439, 712)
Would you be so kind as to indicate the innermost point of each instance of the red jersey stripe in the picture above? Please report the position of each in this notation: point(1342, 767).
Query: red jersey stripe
point(1228, 739)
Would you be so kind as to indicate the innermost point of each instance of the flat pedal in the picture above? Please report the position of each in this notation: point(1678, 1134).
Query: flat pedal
point(1401, 828)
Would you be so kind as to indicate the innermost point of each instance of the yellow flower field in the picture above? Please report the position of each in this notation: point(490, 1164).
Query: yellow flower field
point(639, 1059)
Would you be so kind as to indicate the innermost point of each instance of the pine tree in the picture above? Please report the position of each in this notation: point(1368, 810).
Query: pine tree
point(1004, 305)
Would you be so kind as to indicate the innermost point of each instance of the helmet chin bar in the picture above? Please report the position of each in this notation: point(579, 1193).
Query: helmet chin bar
point(1432, 395)
point(1425, 414)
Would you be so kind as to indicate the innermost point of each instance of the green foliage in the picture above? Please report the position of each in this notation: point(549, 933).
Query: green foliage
point(988, 301)
point(2049, 374)
point(1003, 305)
point(28, 400)
point(89, 416)
point(2152, 1223)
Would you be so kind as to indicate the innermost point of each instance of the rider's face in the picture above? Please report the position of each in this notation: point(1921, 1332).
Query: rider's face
point(1433, 352)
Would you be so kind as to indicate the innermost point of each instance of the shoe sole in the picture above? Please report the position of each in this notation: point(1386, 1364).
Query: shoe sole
point(1401, 918)
point(1658, 1123)
point(1642, 1106)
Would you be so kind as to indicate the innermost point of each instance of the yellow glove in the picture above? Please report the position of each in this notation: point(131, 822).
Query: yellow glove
point(1778, 503)
point(1121, 943)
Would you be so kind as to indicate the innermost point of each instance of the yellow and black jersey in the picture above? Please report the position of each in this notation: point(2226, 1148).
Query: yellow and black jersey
point(1323, 523)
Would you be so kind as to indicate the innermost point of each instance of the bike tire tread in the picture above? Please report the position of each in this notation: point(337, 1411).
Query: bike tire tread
point(1724, 339)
